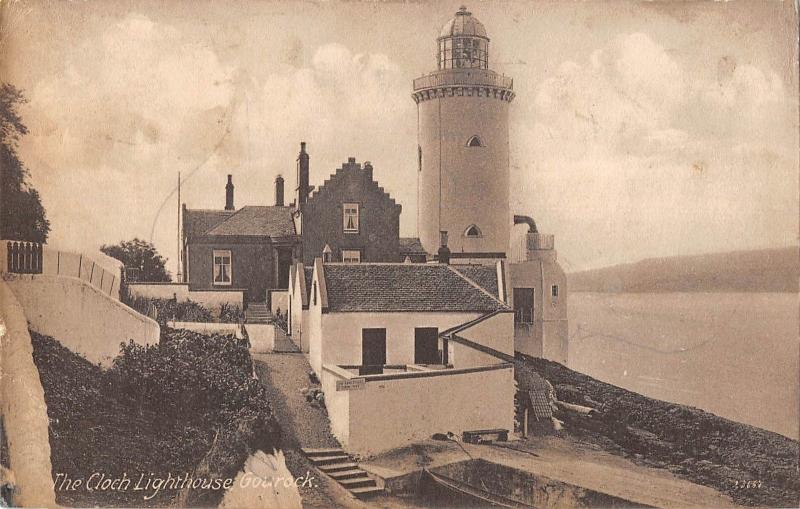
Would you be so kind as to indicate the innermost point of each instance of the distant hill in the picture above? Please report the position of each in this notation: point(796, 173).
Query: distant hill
point(764, 270)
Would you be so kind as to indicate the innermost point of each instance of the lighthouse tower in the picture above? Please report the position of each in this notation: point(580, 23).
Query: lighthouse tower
point(463, 152)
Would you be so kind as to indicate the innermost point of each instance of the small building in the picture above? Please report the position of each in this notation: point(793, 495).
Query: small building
point(349, 218)
point(250, 249)
point(299, 293)
point(383, 336)
point(538, 294)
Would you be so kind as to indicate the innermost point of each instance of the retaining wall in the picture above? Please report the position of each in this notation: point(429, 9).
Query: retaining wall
point(81, 316)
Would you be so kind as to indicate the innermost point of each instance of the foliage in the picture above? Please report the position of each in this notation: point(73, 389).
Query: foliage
point(169, 309)
point(282, 320)
point(22, 216)
point(190, 400)
point(230, 313)
point(142, 255)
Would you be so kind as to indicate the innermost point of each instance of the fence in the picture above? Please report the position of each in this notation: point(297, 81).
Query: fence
point(24, 257)
point(33, 258)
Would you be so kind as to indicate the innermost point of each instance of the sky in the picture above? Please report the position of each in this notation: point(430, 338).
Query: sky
point(639, 129)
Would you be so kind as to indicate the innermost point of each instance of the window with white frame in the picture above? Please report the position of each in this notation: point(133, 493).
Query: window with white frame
point(351, 256)
point(222, 267)
point(350, 217)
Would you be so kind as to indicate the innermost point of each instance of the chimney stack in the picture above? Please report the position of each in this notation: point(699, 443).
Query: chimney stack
point(279, 191)
point(229, 193)
point(302, 176)
point(368, 169)
point(444, 251)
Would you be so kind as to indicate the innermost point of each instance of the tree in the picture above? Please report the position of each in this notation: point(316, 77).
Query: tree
point(22, 216)
point(142, 255)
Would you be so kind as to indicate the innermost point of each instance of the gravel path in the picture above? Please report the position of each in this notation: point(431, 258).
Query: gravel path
point(302, 424)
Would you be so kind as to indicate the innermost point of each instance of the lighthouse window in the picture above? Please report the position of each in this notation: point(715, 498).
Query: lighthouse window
point(473, 231)
point(554, 292)
point(474, 142)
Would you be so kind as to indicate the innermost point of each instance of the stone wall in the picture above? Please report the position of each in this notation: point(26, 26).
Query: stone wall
point(378, 237)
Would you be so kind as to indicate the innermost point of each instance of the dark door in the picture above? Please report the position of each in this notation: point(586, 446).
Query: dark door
point(373, 351)
point(284, 264)
point(523, 306)
point(426, 345)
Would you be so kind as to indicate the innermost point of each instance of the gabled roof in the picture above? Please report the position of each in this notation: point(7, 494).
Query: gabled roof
point(199, 221)
point(351, 170)
point(484, 276)
point(411, 246)
point(262, 221)
point(390, 287)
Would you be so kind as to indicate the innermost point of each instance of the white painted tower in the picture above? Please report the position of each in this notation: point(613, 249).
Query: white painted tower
point(463, 173)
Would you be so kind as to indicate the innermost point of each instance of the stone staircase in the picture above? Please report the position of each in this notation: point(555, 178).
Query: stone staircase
point(257, 313)
point(340, 467)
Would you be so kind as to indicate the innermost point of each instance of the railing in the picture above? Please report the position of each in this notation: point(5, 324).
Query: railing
point(540, 241)
point(464, 77)
point(24, 257)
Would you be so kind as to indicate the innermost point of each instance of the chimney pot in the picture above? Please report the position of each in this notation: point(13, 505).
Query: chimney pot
point(229, 193)
point(279, 191)
point(444, 251)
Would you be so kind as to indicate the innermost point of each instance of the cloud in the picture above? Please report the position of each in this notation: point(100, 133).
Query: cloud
point(634, 140)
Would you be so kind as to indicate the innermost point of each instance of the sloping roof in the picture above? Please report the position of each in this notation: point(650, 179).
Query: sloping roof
point(248, 221)
point(308, 273)
point(198, 222)
point(387, 287)
point(411, 246)
point(484, 275)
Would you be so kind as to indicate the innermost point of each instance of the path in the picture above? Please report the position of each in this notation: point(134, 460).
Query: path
point(303, 425)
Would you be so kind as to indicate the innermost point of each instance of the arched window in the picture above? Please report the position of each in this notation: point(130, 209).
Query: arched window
point(474, 142)
point(473, 231)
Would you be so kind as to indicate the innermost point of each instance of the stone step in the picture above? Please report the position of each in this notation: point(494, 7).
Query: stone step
point(366, 491)
point(322, 452)
point(358, 482)
point(338, 467)
point(327, 460)
point(347, 474)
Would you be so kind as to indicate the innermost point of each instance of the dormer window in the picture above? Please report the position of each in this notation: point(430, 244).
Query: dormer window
point(327, 254)
point(474, 142)
point(473, 231)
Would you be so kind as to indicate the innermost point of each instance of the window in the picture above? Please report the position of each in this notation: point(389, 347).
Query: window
point(326, 254)
point(523, 306)
point(419, 158)
point(474, 142)
point(473, 231)
point(351, 256)
point(315, 293)
point(554, 292)
point(350, 217)
point(222, 267)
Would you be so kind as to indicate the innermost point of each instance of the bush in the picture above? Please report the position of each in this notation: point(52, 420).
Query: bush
point(230, 313)
point(165, 310)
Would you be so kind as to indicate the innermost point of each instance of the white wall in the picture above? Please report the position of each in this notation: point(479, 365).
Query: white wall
point(387, 414)
point(80, 316)
point(23, 409)
point(496, 332)
point(209, 299)
point(342, 334)
point(261, 336)
point(279, 299)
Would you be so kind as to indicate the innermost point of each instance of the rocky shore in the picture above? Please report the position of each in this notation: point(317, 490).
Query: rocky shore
point(755, 467)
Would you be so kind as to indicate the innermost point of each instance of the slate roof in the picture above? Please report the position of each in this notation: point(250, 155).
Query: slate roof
point(262, 221)
point(484, 275)
point(197, 222)
point(411, 246)
point(387, 287)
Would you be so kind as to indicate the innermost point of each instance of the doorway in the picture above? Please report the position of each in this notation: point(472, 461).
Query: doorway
point(373, 351)
point(426, 345)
